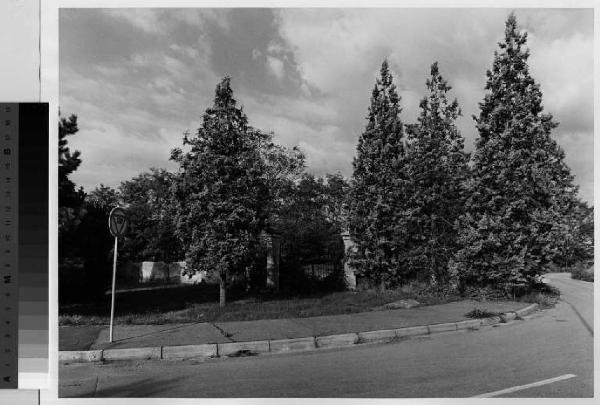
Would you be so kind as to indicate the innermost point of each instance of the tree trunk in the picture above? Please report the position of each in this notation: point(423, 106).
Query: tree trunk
point(222, 296)
point(247, 279)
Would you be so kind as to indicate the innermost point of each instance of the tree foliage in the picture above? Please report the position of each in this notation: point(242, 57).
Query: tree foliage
point(151, 235)
point(310, 218)
point(221, 192)
point(70, 198)
point(377, 188)
point(521, 188)
point(436, 169)
point(94, 239)
point(577, 245)
point(68, 162)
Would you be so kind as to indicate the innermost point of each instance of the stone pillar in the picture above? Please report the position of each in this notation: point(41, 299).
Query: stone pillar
point(273, 254)
point(349, 276)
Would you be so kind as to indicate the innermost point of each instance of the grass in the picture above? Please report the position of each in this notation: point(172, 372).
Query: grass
point(542, 294)
point(81, 340)
point(199, 304)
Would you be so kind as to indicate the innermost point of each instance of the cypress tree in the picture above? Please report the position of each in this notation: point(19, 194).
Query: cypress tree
point(376, 187)
point(221, 192)
point(521, 188)
point(436, 168)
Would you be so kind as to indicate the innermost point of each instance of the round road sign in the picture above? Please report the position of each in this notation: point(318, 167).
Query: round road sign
point(117, 222)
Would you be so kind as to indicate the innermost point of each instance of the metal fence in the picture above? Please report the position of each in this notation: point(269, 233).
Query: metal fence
point(322, 270)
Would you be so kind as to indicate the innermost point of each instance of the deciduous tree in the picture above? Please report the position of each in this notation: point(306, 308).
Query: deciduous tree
point(151, 235)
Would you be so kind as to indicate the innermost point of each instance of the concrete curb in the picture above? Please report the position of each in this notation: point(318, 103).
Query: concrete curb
point(377, 336)
point(412, 331)
point(189, 351)
point(527, 310)
point(469, 324)
point(137, 353)
point(292, 345)
point(232, 349)
point(346, 339)
point(442, 327)
point(83, 356)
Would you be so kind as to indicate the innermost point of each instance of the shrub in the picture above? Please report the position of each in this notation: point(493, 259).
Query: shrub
point(478, 313)
point(583, 271)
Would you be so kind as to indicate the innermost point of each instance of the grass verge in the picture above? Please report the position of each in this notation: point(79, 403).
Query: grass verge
point(542, 294)
point(199, 304)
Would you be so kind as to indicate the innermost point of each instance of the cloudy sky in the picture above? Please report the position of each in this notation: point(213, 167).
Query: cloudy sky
point(139, 78)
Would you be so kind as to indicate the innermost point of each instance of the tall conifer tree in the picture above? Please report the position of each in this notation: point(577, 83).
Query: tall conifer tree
point(521, 188)
point(436, 168)
point(221, 192)
point(377, 187)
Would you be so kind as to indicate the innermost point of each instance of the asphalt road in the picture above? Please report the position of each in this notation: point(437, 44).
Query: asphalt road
point(550, 354)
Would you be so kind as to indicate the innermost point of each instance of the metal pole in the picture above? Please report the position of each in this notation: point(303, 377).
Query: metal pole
point(112, 300)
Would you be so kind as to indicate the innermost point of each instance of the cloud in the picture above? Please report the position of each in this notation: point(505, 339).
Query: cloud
point(146, 19)
point(352, 43)
point(276, 67)
point(566, 86)
point(139, 78)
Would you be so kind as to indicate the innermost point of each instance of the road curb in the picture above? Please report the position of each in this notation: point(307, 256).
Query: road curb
point(442, 327)
point(469, 324)
point(331, 341)
point(312, 343)
point(412, 331)
point(136, 353)
point(234, 348)
point(292, 345)
point(80, 356)
point(189, 351)
point(527, 310)
point(377, 336)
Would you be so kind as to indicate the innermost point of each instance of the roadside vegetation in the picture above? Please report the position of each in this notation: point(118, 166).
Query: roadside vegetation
point(583, 272)
point(200, 304)
point(428, 221)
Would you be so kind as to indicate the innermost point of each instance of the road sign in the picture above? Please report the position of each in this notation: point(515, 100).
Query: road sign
point(117, 222)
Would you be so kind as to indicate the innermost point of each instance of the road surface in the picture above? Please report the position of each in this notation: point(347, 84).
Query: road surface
point(548, 355)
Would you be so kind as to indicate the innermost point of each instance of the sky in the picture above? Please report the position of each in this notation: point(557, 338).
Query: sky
point(139, 78)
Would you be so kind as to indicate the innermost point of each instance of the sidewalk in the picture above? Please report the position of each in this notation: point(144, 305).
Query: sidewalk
point(137, 336)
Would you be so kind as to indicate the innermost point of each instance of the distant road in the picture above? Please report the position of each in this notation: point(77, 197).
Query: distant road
point(548, 355)
point(578, 294)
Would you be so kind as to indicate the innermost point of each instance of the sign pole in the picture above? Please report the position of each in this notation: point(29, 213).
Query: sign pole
point(112, 300)
point(117, 224)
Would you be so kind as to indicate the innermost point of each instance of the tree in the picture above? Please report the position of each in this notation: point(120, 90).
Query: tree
point(221, 191)
point(151, 235)
point(95, 239)
point(311, 225)
point(70, 199)
point(282, 167)
point(336, 192)
point(436, 167)
point(521, 188)
point(377, 188)
point(578, 244)
point(67, 163)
